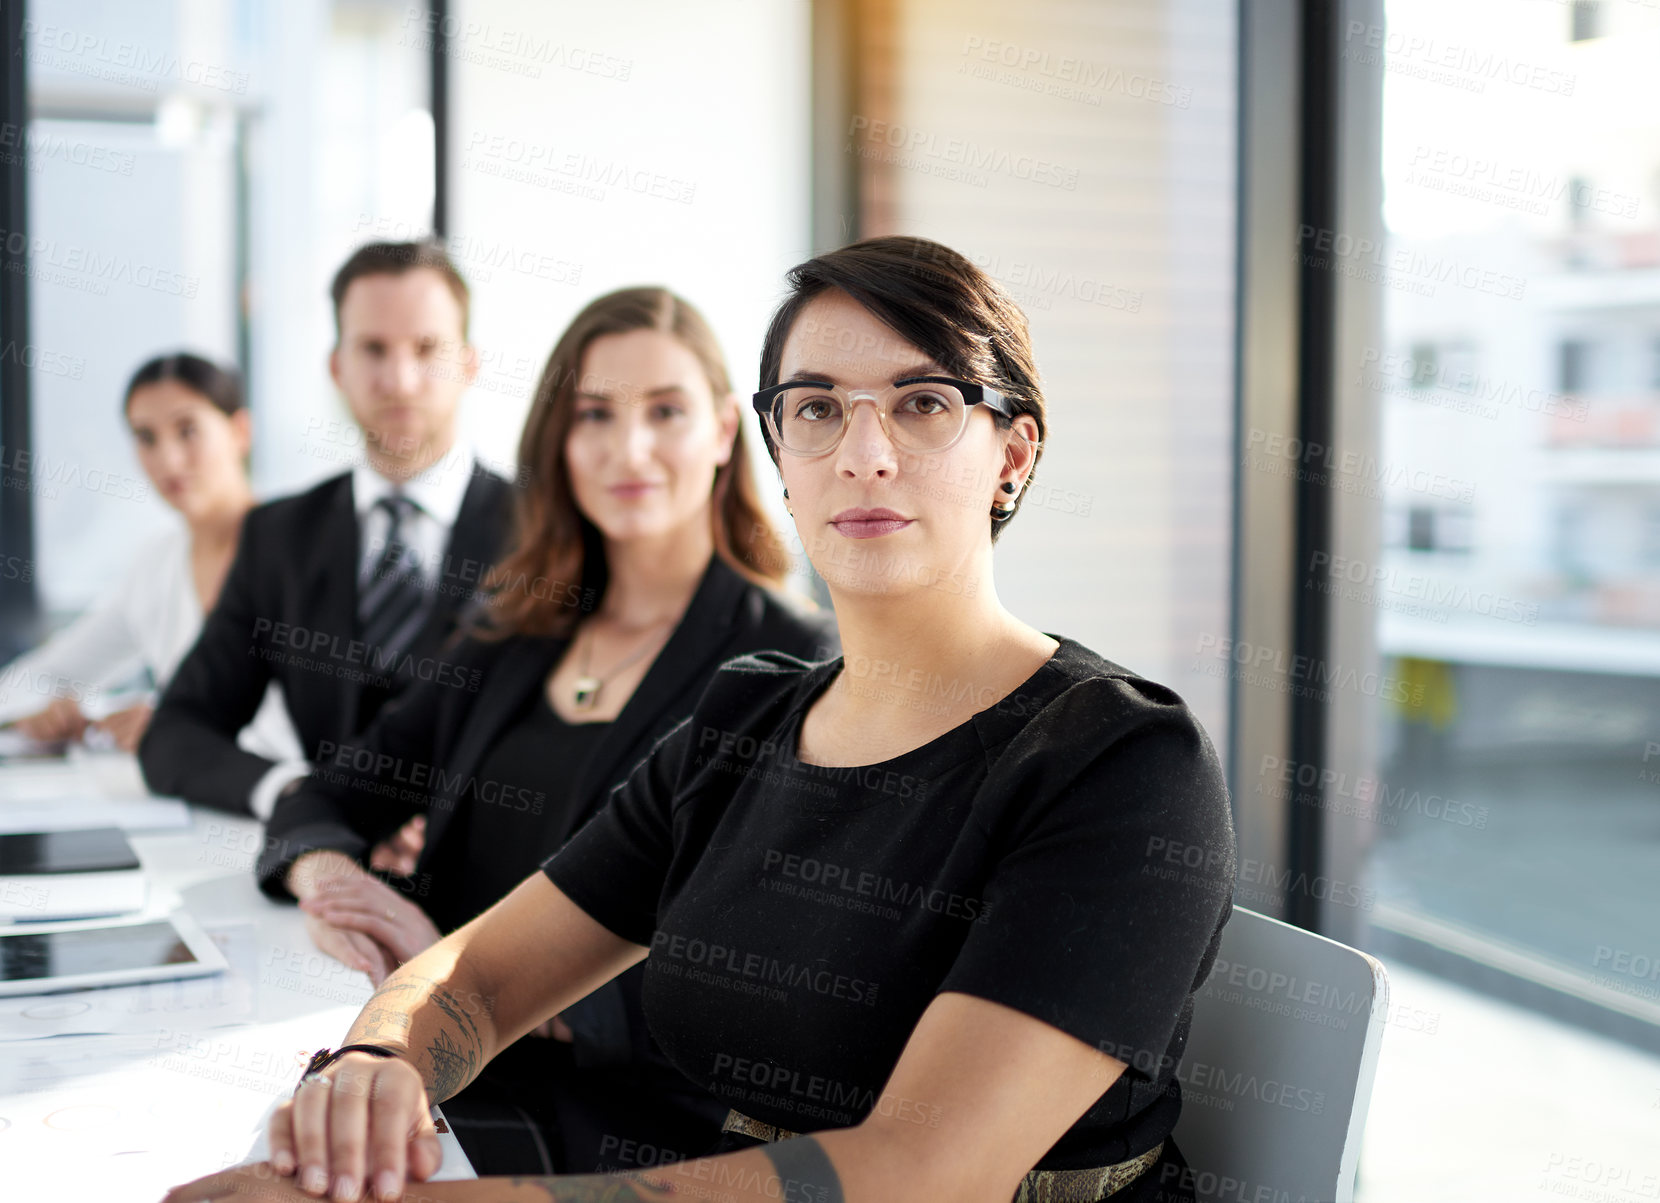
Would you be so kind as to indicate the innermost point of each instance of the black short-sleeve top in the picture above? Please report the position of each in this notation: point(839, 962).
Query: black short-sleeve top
point(800, 918)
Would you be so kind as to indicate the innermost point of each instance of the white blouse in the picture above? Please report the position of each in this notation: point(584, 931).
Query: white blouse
point(149, 620)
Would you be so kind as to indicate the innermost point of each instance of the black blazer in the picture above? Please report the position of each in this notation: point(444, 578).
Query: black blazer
point(288, 612)
point(452, 730)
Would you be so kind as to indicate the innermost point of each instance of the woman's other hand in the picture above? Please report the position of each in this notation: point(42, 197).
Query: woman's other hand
point(127, 727)
point(351, 948)
point(62, 719)
point(359, 903)
point(398, 855)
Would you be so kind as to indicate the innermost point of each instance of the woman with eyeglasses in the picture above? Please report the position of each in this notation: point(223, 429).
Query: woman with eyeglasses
point(907, 912)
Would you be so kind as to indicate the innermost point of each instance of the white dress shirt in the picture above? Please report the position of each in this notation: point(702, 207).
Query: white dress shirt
point(149, 620)
point(437, 493)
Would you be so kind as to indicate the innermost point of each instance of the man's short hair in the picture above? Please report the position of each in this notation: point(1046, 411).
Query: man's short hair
point(394, 259)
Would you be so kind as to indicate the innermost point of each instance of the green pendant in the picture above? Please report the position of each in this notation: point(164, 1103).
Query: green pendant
point(587, 691)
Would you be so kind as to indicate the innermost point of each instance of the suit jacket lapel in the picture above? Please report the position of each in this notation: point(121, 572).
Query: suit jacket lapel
point(329, 598)
point(516, 674)
point(475, 539)
point(696, 643)
point(522, 667)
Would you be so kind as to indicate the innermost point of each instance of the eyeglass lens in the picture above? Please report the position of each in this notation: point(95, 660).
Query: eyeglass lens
point(920, 417)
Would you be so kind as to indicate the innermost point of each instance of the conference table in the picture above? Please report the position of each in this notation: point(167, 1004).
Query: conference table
point(119, 1093)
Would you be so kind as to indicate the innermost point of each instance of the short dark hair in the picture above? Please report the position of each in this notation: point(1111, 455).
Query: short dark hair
point(936, 300)
point(394, 259)
point(220, 386)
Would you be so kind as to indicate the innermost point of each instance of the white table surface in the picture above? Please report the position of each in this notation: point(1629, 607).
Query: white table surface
point(119, 1117)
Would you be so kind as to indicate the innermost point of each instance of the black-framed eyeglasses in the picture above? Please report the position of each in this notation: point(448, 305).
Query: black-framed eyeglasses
point(919, 413)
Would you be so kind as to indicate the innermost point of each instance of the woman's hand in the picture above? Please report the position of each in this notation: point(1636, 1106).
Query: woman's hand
point(398, 855)
point(357, 1130)
point(126, 727)
point(363, 1122)
point(450, 1010)
point(257, 1183)
point(350, 948)
point(62, 719)
point(359, 903)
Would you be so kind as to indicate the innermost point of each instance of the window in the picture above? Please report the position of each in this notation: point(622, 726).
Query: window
point(1426, 365)
point(1585, 20)
point(1567, 538)
point(1572, 361)
point(1436, 528)
point(1526, 622)
point(187, 219)
point(1649, 552)
point(1580, 193)
point(1420, 529)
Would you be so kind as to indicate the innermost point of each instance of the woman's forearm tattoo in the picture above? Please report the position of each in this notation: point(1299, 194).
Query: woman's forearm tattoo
point(452, 1066)
point(382, 1018)
point(380, 1021)
point(454, 1057)
point(451, 1006)
point(456, 1051)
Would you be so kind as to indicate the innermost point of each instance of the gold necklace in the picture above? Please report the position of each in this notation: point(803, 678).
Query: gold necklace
point(589, 684)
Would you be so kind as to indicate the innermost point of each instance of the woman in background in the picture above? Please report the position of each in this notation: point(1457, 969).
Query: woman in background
point(191, 431)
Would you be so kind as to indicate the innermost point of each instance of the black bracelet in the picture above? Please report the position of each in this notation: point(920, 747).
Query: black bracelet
point(323, 1058)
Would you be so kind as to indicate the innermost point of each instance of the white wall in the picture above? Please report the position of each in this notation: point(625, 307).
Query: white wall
point(336, 160)
point(706, 104)
point(1106, 204)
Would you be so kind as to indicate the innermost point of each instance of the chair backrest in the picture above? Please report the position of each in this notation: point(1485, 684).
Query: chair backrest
point(1278, 1068)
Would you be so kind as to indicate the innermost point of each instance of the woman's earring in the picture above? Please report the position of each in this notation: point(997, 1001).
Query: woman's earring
point(1003, 511)
point(786, 494)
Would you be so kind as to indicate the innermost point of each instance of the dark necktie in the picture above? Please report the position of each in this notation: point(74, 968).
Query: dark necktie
point(391, 594)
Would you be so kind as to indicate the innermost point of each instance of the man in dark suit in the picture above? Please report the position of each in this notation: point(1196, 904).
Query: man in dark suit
point(346, 593)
